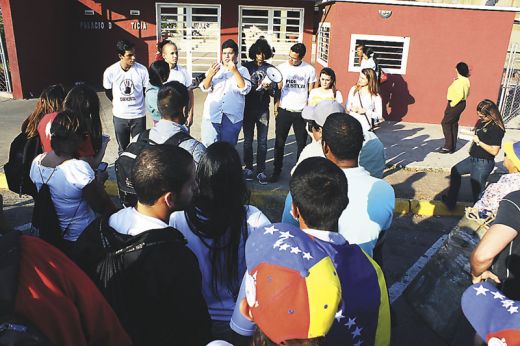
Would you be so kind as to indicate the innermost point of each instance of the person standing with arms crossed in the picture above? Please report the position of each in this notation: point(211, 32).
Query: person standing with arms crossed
point(458, 92)
point(124, 83)
point(298, 80)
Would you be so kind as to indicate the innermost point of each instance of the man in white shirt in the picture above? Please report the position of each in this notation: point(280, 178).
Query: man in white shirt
point(372, 200)
point(227, 84)
point(298, 80)
point(124, 83)
point(170, 54)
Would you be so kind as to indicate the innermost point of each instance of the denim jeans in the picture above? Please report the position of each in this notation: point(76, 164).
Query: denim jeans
point(225, 131)
point(479, 170)
point(126, 129)
point(260, 119)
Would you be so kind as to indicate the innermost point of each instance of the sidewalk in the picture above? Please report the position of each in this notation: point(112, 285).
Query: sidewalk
point(410, 146)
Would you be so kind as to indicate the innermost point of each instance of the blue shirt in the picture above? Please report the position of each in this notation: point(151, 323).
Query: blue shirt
point(150, 102)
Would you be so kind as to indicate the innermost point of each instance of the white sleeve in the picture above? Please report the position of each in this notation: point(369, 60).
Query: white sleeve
point(312, 74)
point(256, 220)
point(339, 96)
point(187, 78)
point(146, 77)
point(350, 97)
point(245, 74)
point(79, 173)
point(377, 112)
point(107, 79)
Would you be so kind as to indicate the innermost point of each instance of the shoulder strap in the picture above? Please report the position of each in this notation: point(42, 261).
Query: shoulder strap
point(178, 138)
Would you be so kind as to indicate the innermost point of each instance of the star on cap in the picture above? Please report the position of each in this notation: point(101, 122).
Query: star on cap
point(278, 243)
point(480, 290)
point(351, 322)
point(513, 310)
point(270, 230)
point(356, 332)
point(307, 256)
point(339, 315)
point(286, 235)
point(507, 303)
point(284, 247)
point(497, 295)
point(295, 250)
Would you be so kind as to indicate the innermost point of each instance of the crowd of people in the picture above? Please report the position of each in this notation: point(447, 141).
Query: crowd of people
point(191, 261)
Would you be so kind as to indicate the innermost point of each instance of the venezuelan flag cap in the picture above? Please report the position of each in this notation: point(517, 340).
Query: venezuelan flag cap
point(292, 287)
point(512, 151)
point(493, 316)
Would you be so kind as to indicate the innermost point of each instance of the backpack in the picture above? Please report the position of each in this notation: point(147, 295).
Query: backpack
point(126, 161)
point(106, 256)
point(14, 330)
point(22, 152)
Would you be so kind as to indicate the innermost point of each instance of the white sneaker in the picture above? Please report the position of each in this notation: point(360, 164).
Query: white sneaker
point(262, 178)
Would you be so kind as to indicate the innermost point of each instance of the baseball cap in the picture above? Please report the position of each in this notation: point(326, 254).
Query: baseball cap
point(321, 111)
point(512, 150)
point(291, 285)
point(493, 316)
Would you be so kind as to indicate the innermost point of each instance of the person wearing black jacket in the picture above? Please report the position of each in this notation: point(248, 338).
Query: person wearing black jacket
point(256, 111)
point(142, 266)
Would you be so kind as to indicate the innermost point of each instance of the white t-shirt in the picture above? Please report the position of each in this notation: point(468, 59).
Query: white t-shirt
point(130, 221)
point(179, 74)
point(368, 63)
point(127, 89)
point(373, 104)
point(66, 186)
point(318, 94)
point(296, 80)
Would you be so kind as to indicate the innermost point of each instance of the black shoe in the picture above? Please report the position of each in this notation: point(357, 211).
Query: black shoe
point(451, 206)
point(274, 177)
point(445, 151)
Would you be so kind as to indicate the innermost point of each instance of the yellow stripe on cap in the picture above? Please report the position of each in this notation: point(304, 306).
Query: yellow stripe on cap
point(324, 294)
point(511, 155)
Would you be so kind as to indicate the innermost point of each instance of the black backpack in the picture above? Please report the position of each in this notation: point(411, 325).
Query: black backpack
point(126, 161)
point(22, 152)
point(14, 330)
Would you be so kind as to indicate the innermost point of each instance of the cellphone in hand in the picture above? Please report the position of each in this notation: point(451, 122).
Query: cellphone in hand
point(102, 167)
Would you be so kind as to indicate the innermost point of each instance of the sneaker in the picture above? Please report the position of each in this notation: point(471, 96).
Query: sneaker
point(248, 174)
point(274, 178)
point(262, 178)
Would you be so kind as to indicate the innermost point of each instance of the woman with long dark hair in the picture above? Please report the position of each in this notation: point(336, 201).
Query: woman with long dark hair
point(364, 102)
point(216, 227)
point(486, 144)
point(326, 89)
point(50, 101)
point(84, 103)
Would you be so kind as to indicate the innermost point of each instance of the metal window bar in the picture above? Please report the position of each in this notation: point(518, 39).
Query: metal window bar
point(5, 82)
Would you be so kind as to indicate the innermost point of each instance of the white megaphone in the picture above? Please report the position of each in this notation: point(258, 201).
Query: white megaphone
point(272, 74)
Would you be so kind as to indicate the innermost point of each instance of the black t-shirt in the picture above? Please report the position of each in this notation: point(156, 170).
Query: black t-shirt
point(489, 133)
point(258, 100)
point(509, 259)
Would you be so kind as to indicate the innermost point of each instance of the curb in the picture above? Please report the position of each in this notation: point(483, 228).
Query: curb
point(267, 198)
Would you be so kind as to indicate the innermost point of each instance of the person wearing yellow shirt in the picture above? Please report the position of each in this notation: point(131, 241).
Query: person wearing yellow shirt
point(458, 92)
point(326, 89)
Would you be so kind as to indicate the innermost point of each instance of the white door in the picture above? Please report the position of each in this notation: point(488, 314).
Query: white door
point(281, 26)
point(195, 29)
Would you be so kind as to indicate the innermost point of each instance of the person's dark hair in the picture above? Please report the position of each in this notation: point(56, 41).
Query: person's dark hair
point(219, 213)
point(171, 99)
point(50, 101)
point(66, 133)
point(230, 44)
point(319, 190)
point(300, 49)
point(490, 109)
point(463, 69)
point(123, 46)
point(260, 339)
point(84, 102)
point(344, 136)
point(158, 71)
point(160, 169)
point(260, 46)
point(164, 43)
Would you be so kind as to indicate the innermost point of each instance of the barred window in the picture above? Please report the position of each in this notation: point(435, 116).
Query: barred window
point(391, 52)
point(323, 43)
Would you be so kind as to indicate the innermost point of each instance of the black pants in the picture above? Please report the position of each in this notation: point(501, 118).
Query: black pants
point(284, 121)
point(126, 129)
point(450, 124)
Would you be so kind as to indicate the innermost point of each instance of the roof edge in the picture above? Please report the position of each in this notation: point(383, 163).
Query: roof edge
point(424, 4)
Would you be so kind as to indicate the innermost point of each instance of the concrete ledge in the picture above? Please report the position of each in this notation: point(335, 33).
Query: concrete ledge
point(275, 199)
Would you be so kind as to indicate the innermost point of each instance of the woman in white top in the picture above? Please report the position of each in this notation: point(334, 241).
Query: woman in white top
point(364, 101)
point(326, 89)
point(216, 227)
point(76, 192)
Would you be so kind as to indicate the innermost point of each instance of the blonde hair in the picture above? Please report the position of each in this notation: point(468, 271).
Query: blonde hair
point(373, 85)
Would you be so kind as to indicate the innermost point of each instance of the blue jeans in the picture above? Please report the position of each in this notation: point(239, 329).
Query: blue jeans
point(479, 170)
point(127, 129)
point(260, 119)
point(225, 131)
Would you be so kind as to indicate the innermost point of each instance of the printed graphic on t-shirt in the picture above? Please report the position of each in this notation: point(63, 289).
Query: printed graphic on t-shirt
point(257, 77)
point(296, 82)
point(127, 90)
